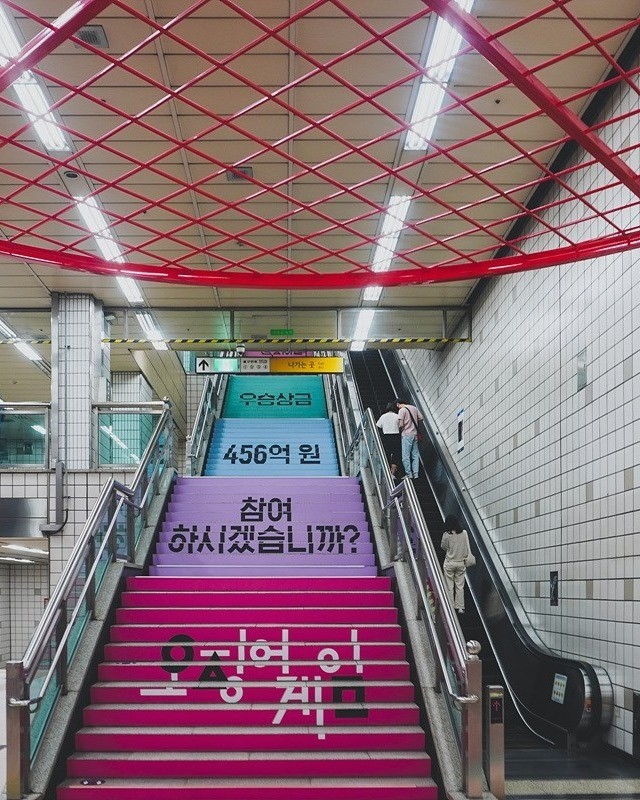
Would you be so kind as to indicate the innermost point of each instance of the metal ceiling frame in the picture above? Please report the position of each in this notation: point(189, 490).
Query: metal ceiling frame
point(462, 263)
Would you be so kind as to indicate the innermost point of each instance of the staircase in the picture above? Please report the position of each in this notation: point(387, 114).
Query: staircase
point(261, 657)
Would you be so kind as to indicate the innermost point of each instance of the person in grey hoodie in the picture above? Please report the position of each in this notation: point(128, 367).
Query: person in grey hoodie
point(455, 543)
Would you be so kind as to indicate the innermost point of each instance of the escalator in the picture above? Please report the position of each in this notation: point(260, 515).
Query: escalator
point(551, 701)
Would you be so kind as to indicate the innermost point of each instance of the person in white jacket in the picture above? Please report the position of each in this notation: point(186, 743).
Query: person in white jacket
point(388, 424)
point(455, 543)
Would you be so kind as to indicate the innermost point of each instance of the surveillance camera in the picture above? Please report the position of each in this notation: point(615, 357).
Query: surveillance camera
point(240, 350)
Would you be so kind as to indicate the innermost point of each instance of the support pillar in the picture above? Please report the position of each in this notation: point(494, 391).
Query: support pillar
point(79, 377)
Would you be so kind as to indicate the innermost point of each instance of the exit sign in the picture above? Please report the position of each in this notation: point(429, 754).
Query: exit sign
point(281, 332)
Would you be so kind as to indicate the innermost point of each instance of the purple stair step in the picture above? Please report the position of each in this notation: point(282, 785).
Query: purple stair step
point(266, 560)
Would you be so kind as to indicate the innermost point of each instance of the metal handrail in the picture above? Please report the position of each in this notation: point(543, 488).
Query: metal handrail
point(403, 496)
point(209, 401)
point(152, 405)
point(23, 404)
point(366, 446)
point(55, 621)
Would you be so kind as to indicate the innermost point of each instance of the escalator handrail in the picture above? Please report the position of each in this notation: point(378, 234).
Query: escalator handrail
point(513, 607)
point(403, 496)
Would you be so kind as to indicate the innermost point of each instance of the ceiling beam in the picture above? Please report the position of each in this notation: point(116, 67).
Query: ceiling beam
point(46, 41)
point(481, 39)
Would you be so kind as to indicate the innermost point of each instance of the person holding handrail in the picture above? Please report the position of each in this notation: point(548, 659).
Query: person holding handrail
point(408, 418)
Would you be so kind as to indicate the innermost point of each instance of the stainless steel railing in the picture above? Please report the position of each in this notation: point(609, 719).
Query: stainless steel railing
point(111, 533)
point(458, 667)
point(209, 410)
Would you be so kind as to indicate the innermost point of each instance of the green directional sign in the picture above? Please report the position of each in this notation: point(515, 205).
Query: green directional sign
point(281, 332)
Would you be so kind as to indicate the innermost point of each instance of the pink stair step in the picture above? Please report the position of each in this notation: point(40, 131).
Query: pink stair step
point(290, 560)
point(226, 570)
point(274, 649)
point(249, 764)
point(251, 584)
point(252, 615)
point(246, 789)
point(266, 599)
point(252, 632)
point(248, 670)
point(255, 691)
point(278, 739)
point(250, 714)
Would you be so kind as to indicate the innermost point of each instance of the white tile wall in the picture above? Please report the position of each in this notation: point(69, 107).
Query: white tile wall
point(554, 471)
point(22, 589)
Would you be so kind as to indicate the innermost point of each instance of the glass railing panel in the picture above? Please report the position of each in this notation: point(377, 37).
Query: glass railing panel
point(23, 438)
point(123, 437)
point(41, 714)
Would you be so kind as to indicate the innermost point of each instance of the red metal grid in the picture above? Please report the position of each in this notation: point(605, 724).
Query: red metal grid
point(60, 240)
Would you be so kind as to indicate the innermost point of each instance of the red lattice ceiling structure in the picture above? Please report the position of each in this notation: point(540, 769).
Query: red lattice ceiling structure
point(259, 143)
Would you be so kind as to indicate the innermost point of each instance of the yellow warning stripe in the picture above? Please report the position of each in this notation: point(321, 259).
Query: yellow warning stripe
point(234, 342)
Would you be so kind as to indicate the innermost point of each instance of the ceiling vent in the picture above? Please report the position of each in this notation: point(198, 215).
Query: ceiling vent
point(93, 35)
point(239, 174)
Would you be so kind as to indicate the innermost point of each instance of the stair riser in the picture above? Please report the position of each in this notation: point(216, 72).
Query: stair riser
point(135, 741)
point(268, 766)
point(236, 600)
point(292, 560)
point(295, 652)
point(240, 571)
point(211, 482)
point(271, 671)
point(148, 583)
point(174, 542)
point(303, 792)
point(116, 693)
point(342, 513)
point(233, 716)
point(231, 633)
point(249, 616)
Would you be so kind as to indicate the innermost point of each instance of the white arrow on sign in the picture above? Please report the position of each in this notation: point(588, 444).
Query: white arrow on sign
point(203, 365)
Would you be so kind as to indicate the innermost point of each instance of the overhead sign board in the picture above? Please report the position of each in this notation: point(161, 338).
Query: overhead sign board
point(265, 366)
point(308, 365)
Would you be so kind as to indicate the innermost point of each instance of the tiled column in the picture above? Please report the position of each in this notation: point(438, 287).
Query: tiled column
point(79, 376)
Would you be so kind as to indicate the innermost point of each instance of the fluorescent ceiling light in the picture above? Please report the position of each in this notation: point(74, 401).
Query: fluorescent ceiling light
point(439, 63)
point(363, 324)
point(7, 331)
point(92, 215)
point(392, 225)
point(30, 93)
point(17, 560)
point(23, 347)
point(154, 334)
point(98, 225)
point(27, 351)
point(20, 548)
point(39, 429)
point(372, 294)
point(130, 290)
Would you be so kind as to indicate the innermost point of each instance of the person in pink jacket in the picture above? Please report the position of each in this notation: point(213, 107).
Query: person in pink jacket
point(408, 418)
